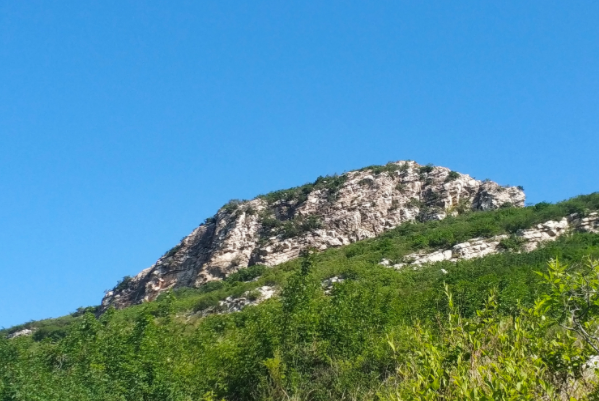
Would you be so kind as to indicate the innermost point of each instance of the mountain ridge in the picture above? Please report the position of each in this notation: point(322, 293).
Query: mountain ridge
point(333, 211)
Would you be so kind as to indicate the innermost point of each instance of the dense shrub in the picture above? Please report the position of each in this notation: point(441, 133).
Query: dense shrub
point(298, 195)
point(452, 176)
point(246, 274)
point(512, 243)
point(124, 283)
point(172, 251)
point(232, 205)
point(426, 169)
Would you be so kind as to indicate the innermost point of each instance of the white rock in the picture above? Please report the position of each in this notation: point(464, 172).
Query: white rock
point(20, 333)
point(365, 206)
point(479, 247)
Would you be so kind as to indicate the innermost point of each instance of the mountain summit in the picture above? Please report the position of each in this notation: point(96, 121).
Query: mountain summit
point(332, 211)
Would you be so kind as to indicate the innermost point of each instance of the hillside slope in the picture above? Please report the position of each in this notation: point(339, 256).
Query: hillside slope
point(331, 212)
point(341, 325)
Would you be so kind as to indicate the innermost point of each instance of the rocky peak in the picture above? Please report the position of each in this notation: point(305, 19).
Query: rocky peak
point(332, 211)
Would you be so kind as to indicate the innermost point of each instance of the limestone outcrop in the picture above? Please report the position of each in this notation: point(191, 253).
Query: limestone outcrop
point(529, 240)
point(330, 212)
point(20, 333)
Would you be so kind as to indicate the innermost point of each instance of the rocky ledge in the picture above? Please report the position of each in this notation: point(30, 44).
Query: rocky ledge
point(523, 240)
point(332, 211)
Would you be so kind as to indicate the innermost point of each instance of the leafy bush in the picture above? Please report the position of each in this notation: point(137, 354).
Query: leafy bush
point(83, 310)
point(253, 295)
point(415, 202)
point(426, 169)
point(123, 284)
point(211, 286)
point(390, 167)
point(298, 195)
point(441, 239)
point(401, 188)
point(452, 176)
point(365, 182)
point(512, 243)
point(172, 251)
point(232, 205)
point(246, 274)
point(50, 332)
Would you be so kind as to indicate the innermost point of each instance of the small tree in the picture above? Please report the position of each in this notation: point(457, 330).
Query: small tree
point(573, 299)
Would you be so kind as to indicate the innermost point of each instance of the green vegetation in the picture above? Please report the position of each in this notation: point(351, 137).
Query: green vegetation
point(298, 195)
point(232, 205)
point(300, 225)
point(170, 252)
point(492, 328)
point(512, 243)
point(124, 283)
point(452, 176)
point(366, 182)
point(294, 227)
point(387, 168)
point(426, 169)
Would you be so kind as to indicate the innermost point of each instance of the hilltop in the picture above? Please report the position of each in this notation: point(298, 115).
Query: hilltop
point(331, 212)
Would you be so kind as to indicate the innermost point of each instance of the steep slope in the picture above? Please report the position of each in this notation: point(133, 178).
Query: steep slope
point(333, 211)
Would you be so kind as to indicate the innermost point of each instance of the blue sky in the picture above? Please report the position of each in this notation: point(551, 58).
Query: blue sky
point(124, 124)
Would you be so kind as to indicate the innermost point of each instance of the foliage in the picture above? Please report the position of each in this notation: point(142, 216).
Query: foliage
point(294, 227)
point(172, 251)
point(387, 168)
point(232, 205)
point(365, 182)
point(123, 283)
point(426, 169)
point(512, 243)
point(488, 357)
point(572, 299)
point(247, 274)
point(298, 195)
point(491, 328)
point(452, 176)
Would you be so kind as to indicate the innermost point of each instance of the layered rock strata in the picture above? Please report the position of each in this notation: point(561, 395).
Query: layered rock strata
point(529, 240)
point(333, 211)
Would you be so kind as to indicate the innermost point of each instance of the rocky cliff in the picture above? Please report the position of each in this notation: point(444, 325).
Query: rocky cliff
point(332, 211)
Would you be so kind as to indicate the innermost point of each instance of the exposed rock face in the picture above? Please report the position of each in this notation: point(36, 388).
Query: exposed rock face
point(478, 247)
point(333, 211)
point(20, 333)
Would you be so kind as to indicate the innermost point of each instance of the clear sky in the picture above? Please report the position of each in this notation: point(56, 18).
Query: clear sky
point(124, 124)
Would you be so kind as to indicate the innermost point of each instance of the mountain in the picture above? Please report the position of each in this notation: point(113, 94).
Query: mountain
point(331, 212)
point(469, 296)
